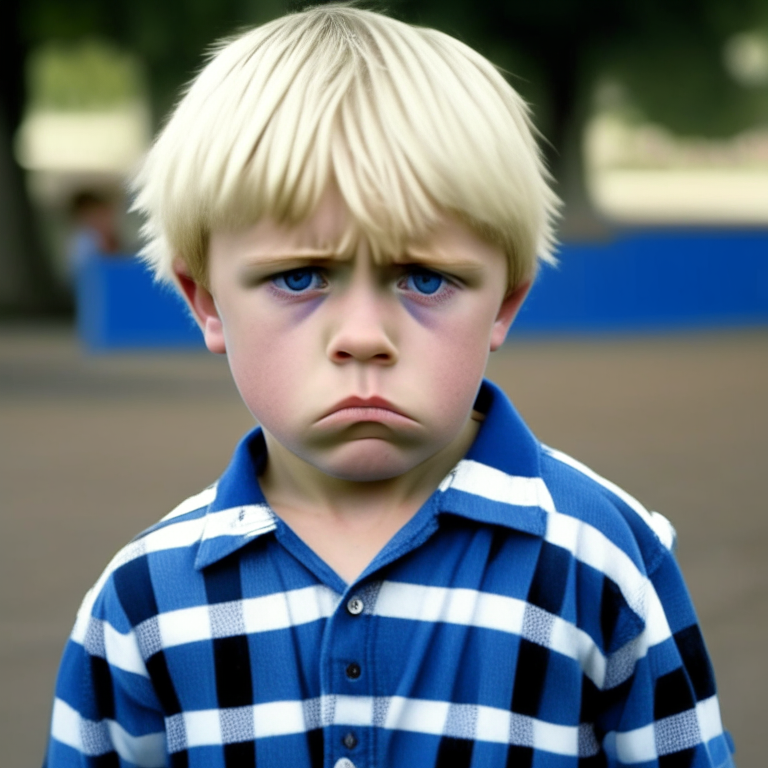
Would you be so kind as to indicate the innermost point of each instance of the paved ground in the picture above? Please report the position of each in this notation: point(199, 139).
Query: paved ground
point(94, 449)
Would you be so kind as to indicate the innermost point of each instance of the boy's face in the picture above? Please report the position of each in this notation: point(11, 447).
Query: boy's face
point(362, 370)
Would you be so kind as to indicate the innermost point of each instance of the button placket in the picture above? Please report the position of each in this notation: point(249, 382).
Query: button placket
point(350, 679)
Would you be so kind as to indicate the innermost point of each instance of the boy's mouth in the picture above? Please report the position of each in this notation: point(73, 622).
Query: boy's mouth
point(357, 409)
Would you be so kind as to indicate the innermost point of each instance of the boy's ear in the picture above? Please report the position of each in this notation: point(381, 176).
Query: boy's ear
point(507, 313)
point(203, 307)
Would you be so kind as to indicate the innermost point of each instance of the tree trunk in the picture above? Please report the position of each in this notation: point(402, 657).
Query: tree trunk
point(570, 86)
point(27, 282)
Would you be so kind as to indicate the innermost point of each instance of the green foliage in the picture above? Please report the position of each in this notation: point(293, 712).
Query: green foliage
point(169, 37)
point(668, 54)
point(88, 75)
point(684, 84)
point(44, 20)
point(174, 36)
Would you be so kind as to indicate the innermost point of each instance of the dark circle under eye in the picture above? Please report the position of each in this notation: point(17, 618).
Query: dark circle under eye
point(426, 282)
point(298, 279)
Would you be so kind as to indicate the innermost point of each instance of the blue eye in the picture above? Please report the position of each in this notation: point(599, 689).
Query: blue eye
point(298, 280)
point(425, 282)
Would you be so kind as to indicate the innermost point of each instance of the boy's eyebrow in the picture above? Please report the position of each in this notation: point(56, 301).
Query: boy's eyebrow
point(429, 257)
point(272, 259)
point(410, 255)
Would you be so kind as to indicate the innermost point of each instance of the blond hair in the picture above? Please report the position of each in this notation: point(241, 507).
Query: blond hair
point(408, 122)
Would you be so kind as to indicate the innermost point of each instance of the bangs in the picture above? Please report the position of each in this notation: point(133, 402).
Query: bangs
point(407, 123)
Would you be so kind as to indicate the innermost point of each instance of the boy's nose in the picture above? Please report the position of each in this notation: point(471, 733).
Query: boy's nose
point(361, 333)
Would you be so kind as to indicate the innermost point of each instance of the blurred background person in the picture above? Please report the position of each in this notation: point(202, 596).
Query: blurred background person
point(94, 218)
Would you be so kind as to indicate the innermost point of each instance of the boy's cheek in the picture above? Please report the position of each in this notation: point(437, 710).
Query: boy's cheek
point(274, 373)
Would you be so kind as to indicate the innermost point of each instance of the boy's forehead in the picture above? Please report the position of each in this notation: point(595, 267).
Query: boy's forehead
point(318, 234)
point(331, 233)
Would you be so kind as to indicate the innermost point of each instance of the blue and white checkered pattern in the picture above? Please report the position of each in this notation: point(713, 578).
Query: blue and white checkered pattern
point(530, 614)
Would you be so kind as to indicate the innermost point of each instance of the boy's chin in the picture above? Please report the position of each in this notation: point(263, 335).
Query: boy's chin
point(369, 461)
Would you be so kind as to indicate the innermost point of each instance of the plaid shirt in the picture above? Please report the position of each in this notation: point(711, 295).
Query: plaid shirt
point(530, 614)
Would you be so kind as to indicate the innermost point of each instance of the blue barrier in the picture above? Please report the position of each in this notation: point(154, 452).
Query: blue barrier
point(639, 281)
point(120, 306)
point(652, 281)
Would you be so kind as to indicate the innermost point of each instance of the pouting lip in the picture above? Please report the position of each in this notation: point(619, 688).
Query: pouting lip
point(364, 402)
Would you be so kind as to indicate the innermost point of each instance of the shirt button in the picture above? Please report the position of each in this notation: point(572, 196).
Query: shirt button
point(344, 762)
point(350, 740)
point(355, 606)
point(353, 671)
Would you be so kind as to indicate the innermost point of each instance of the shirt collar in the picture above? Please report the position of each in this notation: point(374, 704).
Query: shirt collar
point(497, 483)
point(499, 480)
point(239, 512)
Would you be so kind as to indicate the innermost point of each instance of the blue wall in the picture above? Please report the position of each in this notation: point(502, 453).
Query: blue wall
point(652, 281)
point(120, 306)
point(640, 281)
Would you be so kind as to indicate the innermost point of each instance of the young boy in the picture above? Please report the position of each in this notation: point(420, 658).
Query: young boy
point(392, 571)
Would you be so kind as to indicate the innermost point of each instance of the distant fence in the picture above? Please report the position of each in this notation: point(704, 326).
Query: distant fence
point(643, 281)
point(653, 281)
point(120, 306)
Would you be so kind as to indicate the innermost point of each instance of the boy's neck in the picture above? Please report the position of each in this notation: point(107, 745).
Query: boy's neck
point(348, 522)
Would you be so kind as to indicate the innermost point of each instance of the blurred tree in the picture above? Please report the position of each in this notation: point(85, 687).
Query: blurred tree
point(168, 36)
point(26, 281)
point(90, 74)
point(668, 55)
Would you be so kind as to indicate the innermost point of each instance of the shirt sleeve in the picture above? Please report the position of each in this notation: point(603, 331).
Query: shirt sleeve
point(105, 711)
point(666, 713)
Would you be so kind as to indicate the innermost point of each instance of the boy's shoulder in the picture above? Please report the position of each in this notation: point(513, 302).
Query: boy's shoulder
point(159, 563)
point(179, 529)
point(548, 493)
point(570, 507)
point(580, 493)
